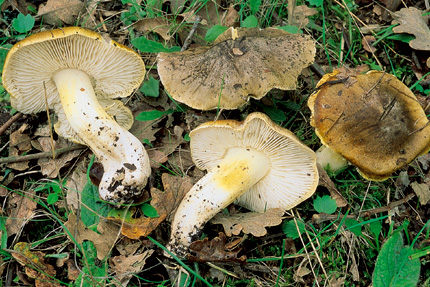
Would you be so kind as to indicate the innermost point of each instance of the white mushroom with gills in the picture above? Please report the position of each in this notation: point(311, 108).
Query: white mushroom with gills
point(254, 163)
point(78, 73)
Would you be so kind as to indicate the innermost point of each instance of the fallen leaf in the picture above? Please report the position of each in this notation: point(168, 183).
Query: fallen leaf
point(72, 270)
point(411, 21)
point(367, 42)
point(159, 25)
point(214, 250)
point(301, 271)
point(325, 180)
point(300, 15)
point(20, 209)
point(125, 266)
point(35, 265)
point(75, 184)
point(103, 242)
point(50, 167)
point(249, 223)
point(422, 191)
point(164, 202)
point(56, 12)
point(19, 143)
point(157, 157)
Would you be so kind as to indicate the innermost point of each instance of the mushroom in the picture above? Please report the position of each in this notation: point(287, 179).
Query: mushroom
point(242, 63)
point(77, 74)
point(255, 163)
point(372, 120)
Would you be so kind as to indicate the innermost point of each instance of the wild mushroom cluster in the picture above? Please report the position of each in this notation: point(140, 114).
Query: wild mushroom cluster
point(370, 120)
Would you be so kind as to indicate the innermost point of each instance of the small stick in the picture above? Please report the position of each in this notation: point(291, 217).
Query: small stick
point(40, 155)
point(9, 122)
point(187, 41)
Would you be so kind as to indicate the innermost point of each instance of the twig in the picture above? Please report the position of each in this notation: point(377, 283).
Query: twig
point(321, 217)
point(187, 41)
point(317, 70)
point(40, 155)
point(9, 122)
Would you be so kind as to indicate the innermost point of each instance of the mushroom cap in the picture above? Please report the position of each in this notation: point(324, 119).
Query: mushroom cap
point(241, 63)
point(293, 176)
point(115, 70)
point(373, 120)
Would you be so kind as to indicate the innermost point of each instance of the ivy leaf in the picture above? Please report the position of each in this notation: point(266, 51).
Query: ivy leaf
point(151, 87)
point(325, 204)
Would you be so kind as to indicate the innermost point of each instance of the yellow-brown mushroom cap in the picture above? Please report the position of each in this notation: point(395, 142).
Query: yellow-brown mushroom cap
point(242, 63)
point(373, 120)
point(115, 70)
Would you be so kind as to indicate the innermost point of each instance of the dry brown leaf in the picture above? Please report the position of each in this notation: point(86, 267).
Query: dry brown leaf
point(324, 180)
point(164, 202)
point(19, 144)
point(72, 271)
point(103, 242)
point(367, 42)
point(124, 266)
point(159, 25)
point(56, 12)
point(215, 250)
point(20, 209)
point(35, 265)
point(249, 223)
point(49, 166)
point(301, 14)
point(422, 191)
point(411, 21)
point(75, 184)
point(157, 158)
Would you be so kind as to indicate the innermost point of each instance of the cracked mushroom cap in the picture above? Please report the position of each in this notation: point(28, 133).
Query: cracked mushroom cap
point(293, 175)
point(242, 63)
point(115, 71)
point(373, 120)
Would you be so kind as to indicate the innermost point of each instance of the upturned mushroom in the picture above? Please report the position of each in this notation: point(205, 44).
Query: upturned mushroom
point(242, 63)
point(78, 74)
point(372, 120)
point(255, 163)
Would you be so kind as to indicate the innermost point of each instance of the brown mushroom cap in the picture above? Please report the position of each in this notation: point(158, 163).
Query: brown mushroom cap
point(242, 63)
point(373, 120)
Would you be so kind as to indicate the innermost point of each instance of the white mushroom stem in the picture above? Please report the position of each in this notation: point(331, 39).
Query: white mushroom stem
point(328, 158)
point(124, 159)
point(239, 170)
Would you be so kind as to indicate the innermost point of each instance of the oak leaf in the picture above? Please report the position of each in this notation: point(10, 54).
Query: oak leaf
point(125, 265)
point(20, 208)
point(411, 21)
point(55, 12)
point(35, 265)
point(249, 223)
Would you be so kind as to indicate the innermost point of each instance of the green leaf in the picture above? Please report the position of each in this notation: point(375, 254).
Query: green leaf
point(405, 38)
point(151, 88)
point(290, 29)
point(23, 23)
point(152, 115)
point(214, 32)
point(375, 228)
point(349, 222)
point(254, 5)
point(148, 210)
point(290, 229)
point(52, 198)
point(92, 274)
point(96, 207)
point(325, 204)
point(187, 137)
point(3, 52)
point(250, 22)
point(275, 114)
point(147, 46)
point(393, 266)
point(316, 3)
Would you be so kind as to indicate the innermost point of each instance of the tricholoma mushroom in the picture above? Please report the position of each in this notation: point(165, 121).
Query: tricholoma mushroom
point(255, 163)
point(79, 73)
point(373, 120)
point(242, 63)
